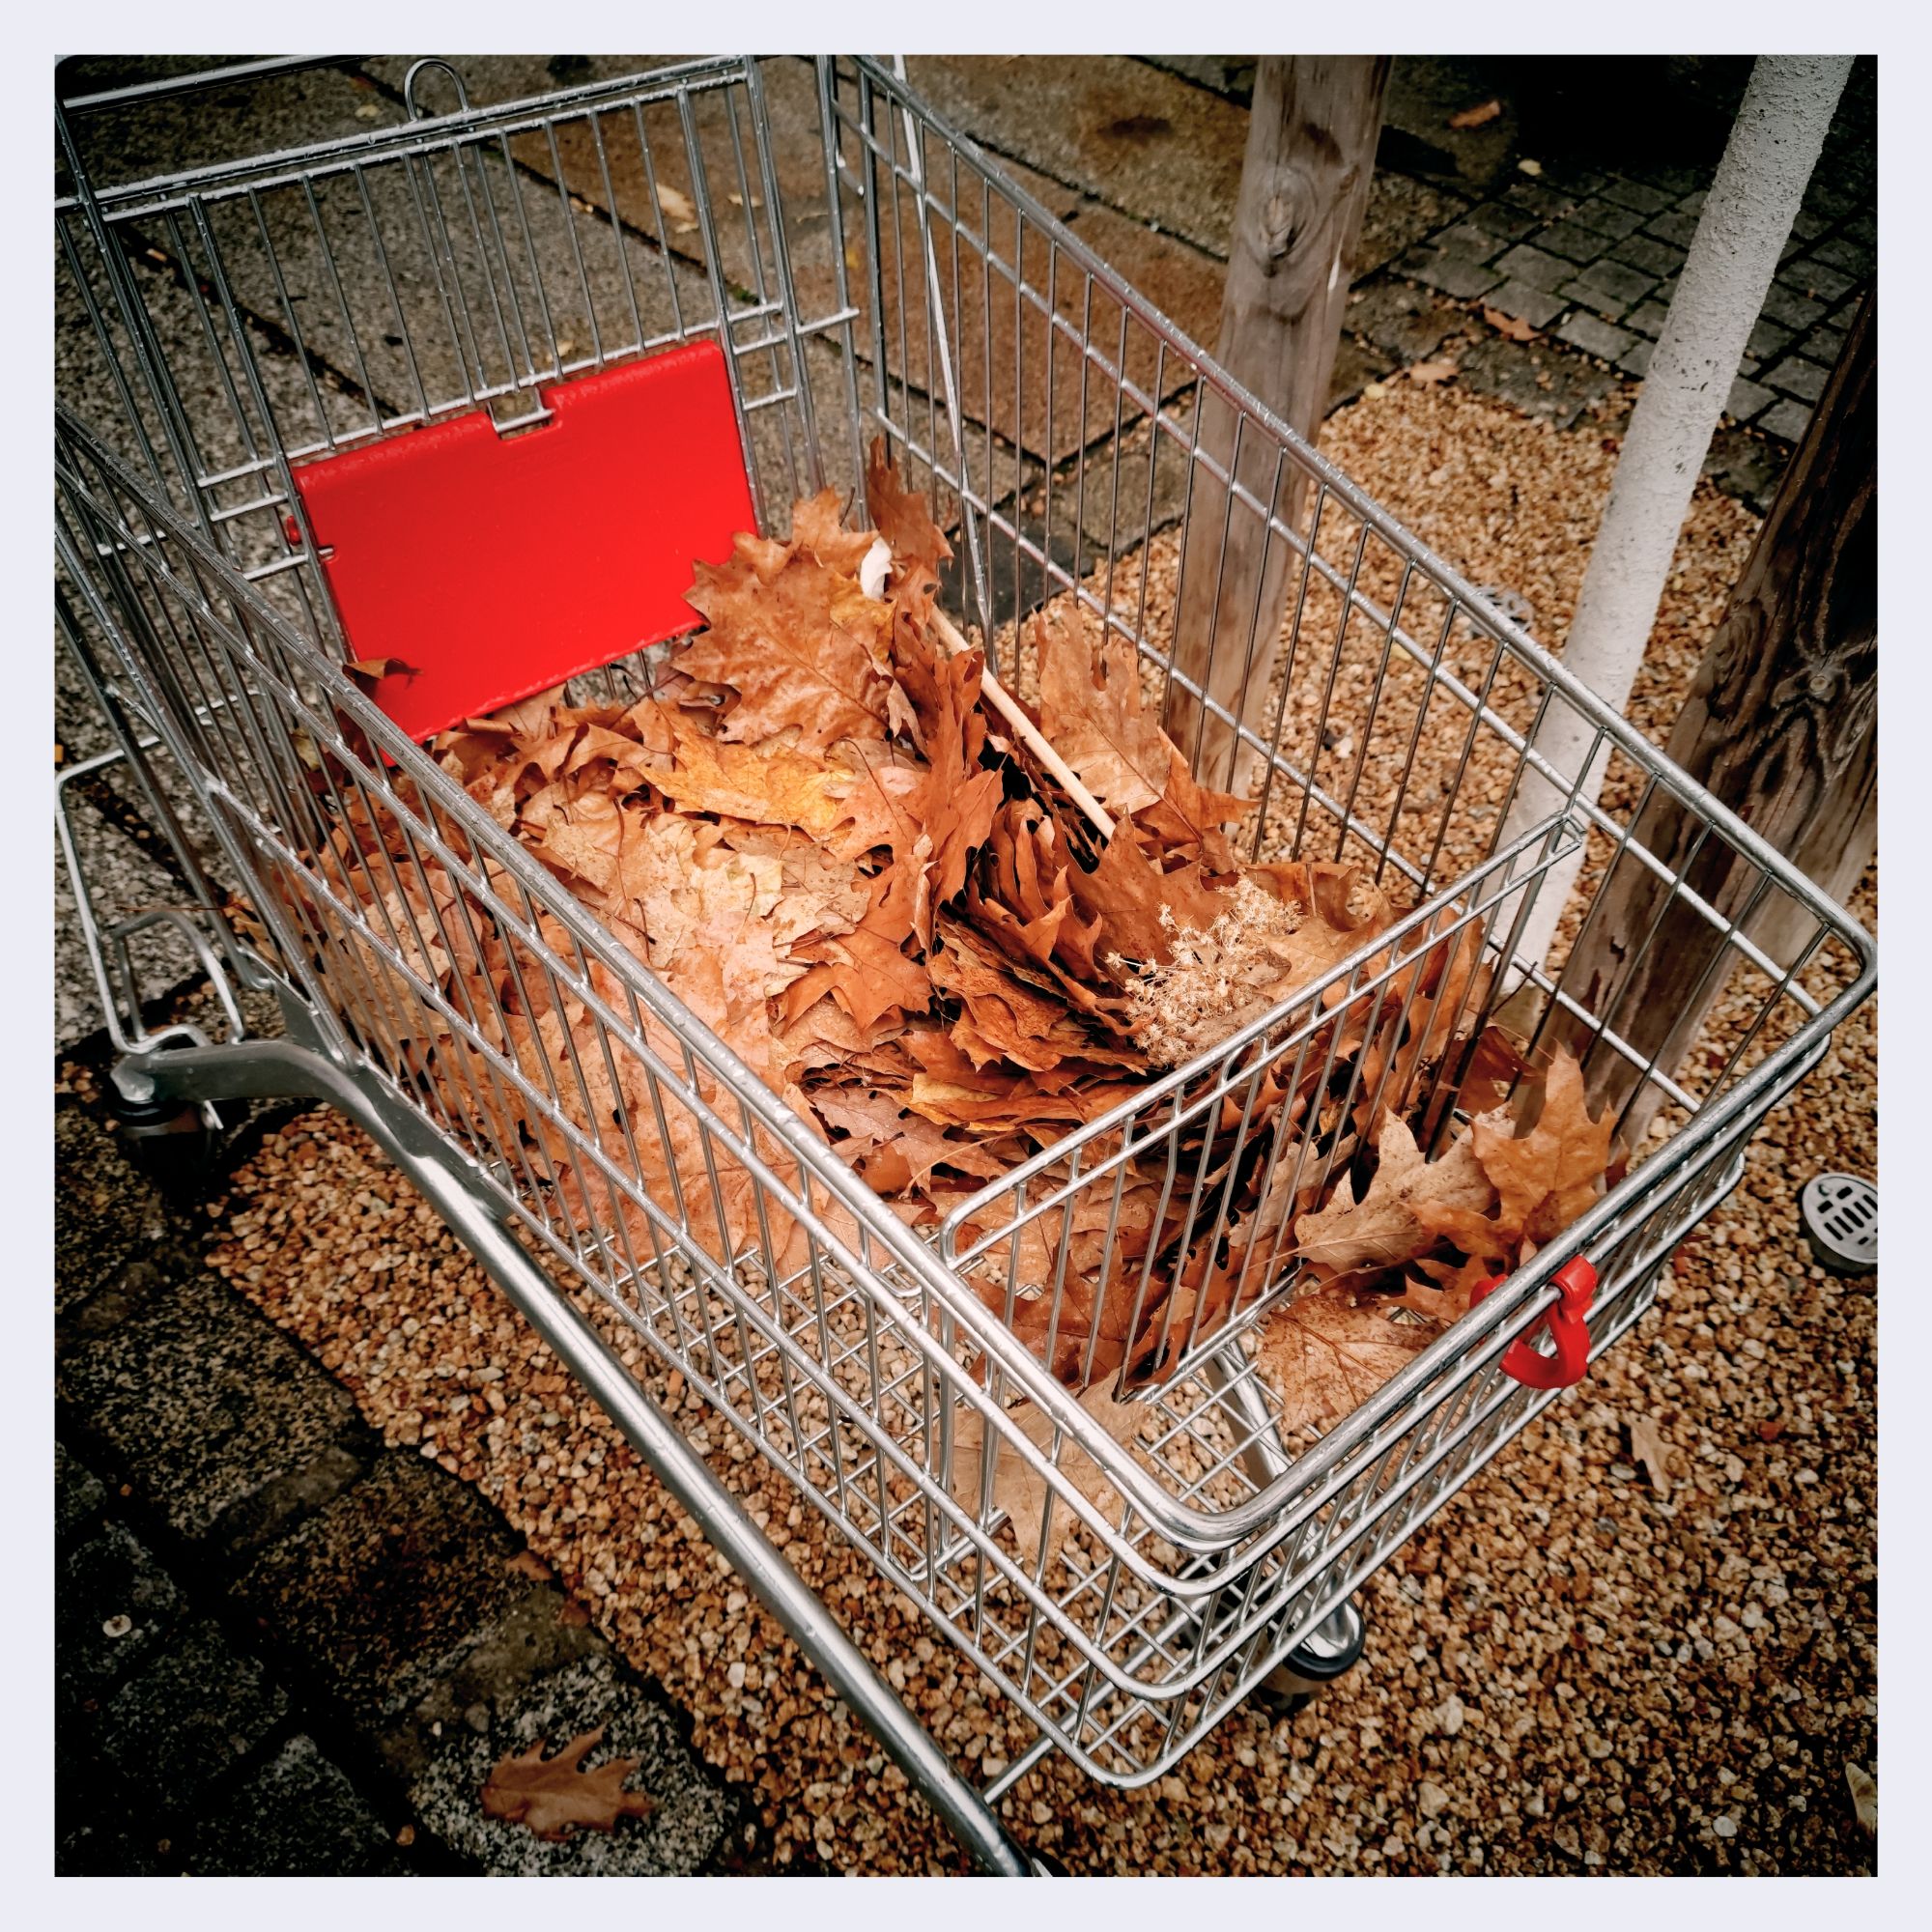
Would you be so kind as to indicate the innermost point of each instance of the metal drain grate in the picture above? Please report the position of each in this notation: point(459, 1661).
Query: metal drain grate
point(1840, 1216)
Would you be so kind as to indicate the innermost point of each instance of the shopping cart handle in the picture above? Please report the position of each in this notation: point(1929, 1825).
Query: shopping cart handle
point(1569, 1329)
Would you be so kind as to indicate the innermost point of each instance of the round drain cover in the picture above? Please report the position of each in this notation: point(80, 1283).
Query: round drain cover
point(1840, 1215)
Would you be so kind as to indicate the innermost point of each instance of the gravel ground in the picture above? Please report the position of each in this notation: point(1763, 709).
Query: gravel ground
point(1572, 1667)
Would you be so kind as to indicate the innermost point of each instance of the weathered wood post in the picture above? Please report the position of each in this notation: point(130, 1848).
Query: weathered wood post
point(1298, 215)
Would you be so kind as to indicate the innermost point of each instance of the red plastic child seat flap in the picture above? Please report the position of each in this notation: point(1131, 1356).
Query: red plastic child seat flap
point(1568, 1328)
point(497, 566)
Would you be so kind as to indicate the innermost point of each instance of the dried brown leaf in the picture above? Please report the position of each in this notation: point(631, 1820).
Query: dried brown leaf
point(554, 1795)
point(1325, 1358)
point(1512, 327)
point(1386, 1228)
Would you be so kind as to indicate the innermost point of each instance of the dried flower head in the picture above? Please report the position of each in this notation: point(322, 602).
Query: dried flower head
point(1215, 981)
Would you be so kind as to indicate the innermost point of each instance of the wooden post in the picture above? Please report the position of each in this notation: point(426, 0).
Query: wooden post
point(1304, 185)
point(1781, 725)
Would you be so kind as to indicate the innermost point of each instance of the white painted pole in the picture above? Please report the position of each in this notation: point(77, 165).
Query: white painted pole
point(1747, 214)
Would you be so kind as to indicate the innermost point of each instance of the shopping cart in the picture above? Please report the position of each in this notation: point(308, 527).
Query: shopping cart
point(864, 271)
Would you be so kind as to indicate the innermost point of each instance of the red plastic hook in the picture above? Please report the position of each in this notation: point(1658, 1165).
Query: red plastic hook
point(1569, 1329)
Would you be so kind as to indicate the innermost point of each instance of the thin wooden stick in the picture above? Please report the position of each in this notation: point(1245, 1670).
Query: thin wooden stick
point(1027, 732)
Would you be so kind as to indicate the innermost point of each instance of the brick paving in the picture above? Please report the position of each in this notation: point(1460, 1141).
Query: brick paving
point(281, 1648)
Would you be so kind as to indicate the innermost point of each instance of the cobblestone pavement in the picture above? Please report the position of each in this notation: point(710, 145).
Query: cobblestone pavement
point(280, 1647)
point(284, 1648)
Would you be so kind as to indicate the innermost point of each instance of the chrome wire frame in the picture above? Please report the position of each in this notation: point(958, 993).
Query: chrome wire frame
point(889, 280)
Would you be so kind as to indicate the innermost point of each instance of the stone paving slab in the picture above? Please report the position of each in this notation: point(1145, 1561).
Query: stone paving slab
point(192, 1711)
point(299, 1817)
point(208, 1404)
point(121, 1606)
point(105, 1214)
point(383, 1590)
point(256, 1673)
point(684, 1833)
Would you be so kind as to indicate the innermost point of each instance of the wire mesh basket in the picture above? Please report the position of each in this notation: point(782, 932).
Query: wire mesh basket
point(868, 271)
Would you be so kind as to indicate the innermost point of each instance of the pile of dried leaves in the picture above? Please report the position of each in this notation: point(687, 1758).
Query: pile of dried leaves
point(817, 835)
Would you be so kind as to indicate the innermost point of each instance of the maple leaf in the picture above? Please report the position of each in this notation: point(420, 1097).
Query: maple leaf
point(1325, 1358)
point(1388, 1226)
point(553, 1797)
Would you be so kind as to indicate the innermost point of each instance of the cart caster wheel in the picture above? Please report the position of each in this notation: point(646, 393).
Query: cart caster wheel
point(173, 1142)
point(1330, 1650)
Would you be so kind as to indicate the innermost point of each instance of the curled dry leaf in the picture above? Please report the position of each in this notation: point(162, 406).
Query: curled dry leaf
point(1512, 327)
point(1863, 1787)
point(554, 1796)
point(1652, 1452)
point(1386, 1228)
point(1476, 117)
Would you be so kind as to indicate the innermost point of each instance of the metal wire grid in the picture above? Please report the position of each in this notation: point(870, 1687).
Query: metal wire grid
point(833, 1370)
point(851, 1367)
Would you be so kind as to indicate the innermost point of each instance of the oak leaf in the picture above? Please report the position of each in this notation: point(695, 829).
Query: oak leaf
point(1554, 1173)
point(902, 516)
point(555, 1796)
point(799, 647)
point(1389, 1225)
point(1325, 1358)
point(1092, 713)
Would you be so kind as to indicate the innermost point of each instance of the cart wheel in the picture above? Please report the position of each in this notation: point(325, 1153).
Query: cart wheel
point(1331, 1649)
point(171, 1141)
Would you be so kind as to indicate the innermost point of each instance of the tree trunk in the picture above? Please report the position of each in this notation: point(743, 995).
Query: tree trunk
point(1304, 185)
point(1781, 725)
point(1753, 199)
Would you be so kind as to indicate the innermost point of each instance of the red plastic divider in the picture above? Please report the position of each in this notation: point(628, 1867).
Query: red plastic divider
point(497, 566)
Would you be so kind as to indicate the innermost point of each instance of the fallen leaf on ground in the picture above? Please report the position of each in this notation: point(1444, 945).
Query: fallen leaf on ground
point(1477, 117)
point(1652, 1452)
point(1511, 326)
point(677, 207)
point(553, 1797)
point(1864, 1796)
point(1441, 370)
